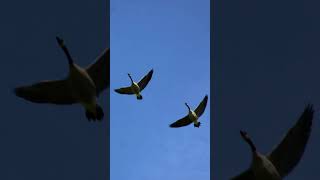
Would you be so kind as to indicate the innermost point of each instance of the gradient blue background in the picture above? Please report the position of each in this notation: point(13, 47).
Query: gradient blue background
point(47, 141)
point(172, 37)
point(266, 69)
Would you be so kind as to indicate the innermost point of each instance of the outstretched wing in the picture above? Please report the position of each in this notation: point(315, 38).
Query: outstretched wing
point(202, 106)
point(181, 122)
point(289, 152)
point(145, 80)
point(99, 71)
point(246, 175)
point(55, 92)
point(124, 90)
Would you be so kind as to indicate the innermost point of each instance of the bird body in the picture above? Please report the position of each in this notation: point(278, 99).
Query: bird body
point(263, 169)
point(136, 90)
point(193, 116)
point(81, 86)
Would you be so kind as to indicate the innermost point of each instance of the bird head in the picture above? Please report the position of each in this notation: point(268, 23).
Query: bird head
point(60, 41)
point(244, 135)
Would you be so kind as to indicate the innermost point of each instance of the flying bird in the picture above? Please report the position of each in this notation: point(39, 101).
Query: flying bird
point(192, 116)
point(282, 160)
point(82, 85)
point(136, 88)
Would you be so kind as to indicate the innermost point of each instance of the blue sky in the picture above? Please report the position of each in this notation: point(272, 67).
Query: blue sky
point(266, 69)
point(172, 37)
point(47, 141)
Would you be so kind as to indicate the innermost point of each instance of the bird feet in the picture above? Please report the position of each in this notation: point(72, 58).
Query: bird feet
point(98, 116)
point(100, 113)
point(197, 125)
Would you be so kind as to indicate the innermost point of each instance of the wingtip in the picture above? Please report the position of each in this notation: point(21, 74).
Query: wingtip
point(205, 99)
point(20, 92)
point(151, 71)
point(118, 91)
point(17, 91)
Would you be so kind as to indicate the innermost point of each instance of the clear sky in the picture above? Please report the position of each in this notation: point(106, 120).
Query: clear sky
point(172, 37)
point(47, 141)
point(266, 69)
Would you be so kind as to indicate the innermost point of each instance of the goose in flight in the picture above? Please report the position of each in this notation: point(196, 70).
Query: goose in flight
point(136, 88)
point(282, 160)
point(192, 116)
point(81, 85)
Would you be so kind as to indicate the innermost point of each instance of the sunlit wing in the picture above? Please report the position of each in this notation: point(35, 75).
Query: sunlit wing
point(181, 122)
point(55, 92)
point(289, 152)
point(124, 90)
point(145, 80)
point(99, 71)
point(202, 106)
point(246, 175)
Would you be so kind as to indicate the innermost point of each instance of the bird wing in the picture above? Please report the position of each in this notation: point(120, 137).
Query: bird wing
point(246, 175)
point(181, 122)
point(289, 152)
point(55, 92)
point(145, 80)
point(202, 106)
point(99, 71)
point(124, 90)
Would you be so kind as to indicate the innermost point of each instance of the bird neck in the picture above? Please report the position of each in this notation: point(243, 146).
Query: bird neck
point(130, 79)
point(66, 51)
point(189, 109)
point(252, 146)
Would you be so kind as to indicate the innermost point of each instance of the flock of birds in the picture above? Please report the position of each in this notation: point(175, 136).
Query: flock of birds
point(136, 87)
point(83, 85)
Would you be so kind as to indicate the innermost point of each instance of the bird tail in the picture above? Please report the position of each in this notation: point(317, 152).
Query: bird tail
point(139, 97)
point(197, 125)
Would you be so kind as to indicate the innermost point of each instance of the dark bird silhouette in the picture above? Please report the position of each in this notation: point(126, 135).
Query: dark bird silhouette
point(83, 85)
point(136, 88)
point(192, 116)
point(282, 160)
